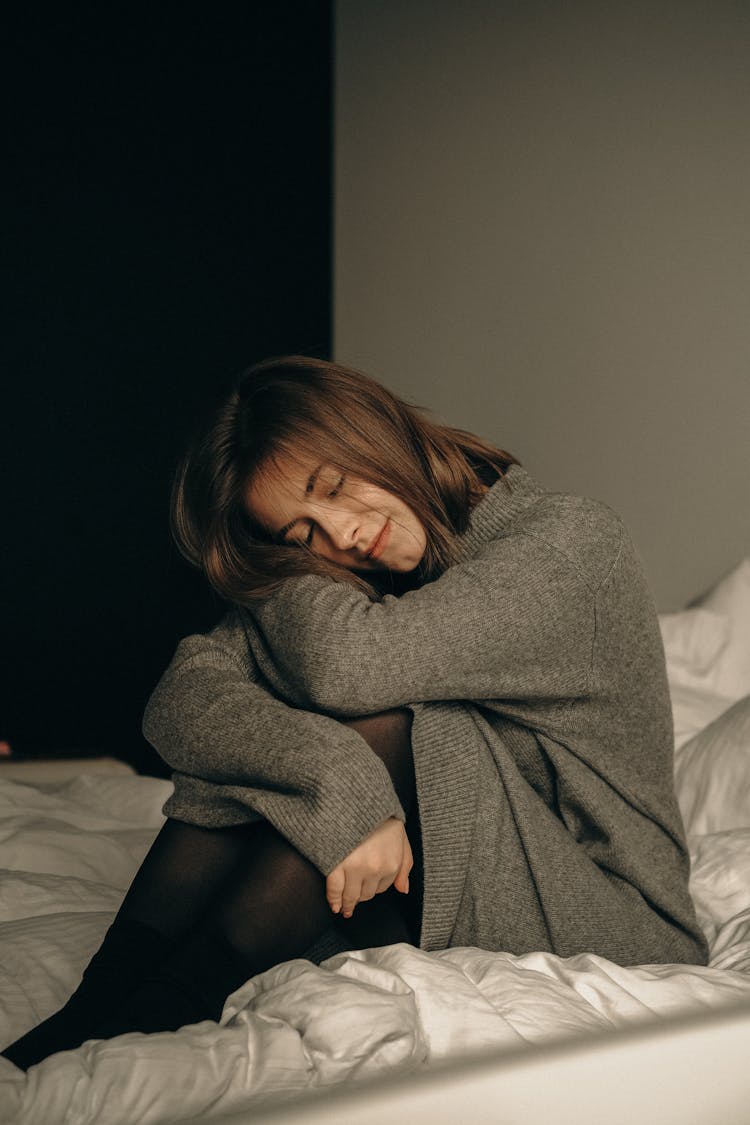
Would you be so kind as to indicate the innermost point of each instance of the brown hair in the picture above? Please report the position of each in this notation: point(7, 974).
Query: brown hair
point(295, 405)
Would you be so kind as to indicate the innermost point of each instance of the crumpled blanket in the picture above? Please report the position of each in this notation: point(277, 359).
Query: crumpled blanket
point(300, 1026)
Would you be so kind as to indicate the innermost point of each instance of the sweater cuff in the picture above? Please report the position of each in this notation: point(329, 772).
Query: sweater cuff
point(324, 835)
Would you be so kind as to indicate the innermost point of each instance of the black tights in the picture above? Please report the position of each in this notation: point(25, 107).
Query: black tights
point(210, 908)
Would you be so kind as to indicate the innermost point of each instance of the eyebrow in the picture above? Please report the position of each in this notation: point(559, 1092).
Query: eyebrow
point(284, 531)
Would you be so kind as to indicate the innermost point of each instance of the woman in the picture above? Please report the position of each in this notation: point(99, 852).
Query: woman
point(438, 713)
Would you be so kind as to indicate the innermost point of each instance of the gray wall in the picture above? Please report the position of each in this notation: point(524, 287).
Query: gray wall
point(542, 232)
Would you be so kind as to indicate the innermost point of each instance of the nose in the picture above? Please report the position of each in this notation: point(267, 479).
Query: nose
point(341, 528)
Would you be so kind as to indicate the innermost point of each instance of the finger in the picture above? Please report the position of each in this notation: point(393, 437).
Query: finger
point(351, 895)
point(401, 882)
point(335, 888)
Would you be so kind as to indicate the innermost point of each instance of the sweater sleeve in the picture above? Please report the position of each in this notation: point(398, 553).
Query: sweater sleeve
point(316, 780)
point(516, 621)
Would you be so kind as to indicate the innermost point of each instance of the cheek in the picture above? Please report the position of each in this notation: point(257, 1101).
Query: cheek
point(415, 539)
point(372, 498)
point(416, 526)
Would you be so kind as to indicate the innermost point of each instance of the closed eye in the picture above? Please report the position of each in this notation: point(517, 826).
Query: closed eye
point(303, 539)
point(306, 540)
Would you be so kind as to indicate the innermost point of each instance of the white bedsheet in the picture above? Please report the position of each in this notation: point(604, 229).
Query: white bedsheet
point(69, 850)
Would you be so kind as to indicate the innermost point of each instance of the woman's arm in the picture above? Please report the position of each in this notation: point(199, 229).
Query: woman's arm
point(315, 779)
point(516, 621)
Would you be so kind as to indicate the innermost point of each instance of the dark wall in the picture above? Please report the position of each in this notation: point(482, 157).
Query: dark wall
point(168, 217)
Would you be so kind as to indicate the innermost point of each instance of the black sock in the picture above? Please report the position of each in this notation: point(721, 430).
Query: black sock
point(186, 988)
point(130, 949)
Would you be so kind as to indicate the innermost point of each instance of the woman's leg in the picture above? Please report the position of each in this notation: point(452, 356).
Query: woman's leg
point(272, 909)
point(258, 900)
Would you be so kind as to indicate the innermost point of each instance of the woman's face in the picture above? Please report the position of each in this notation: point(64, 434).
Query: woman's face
point(338, 516)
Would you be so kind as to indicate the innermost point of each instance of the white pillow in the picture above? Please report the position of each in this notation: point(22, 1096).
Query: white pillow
point(692, 710)
point(712, 774)
point(708, 646)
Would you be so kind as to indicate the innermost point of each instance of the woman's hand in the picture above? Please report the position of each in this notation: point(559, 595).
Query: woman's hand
point(383, 858)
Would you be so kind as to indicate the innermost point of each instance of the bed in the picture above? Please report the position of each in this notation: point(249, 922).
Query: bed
point(367, 1032)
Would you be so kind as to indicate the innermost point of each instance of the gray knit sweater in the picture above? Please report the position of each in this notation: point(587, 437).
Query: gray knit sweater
point(542, 732)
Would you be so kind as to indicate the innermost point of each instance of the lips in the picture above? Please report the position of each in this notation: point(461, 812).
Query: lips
point(380, 542)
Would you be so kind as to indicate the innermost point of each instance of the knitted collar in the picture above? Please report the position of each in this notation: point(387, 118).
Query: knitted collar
point(511, 495)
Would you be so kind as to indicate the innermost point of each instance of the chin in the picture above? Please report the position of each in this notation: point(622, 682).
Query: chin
point(405, 567)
